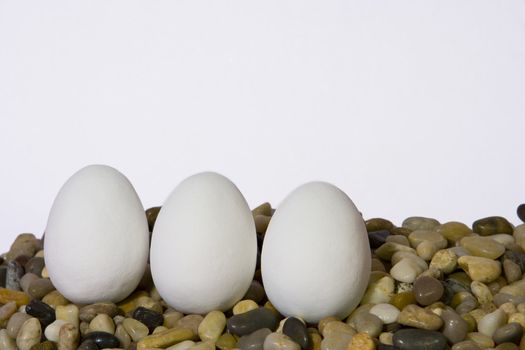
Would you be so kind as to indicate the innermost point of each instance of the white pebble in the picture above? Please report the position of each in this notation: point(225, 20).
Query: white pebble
point(386, 312)
point(51, 332)
point(490, 322)
point(405, 270)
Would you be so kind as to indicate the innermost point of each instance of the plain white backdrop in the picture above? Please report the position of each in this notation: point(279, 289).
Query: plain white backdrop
point(411, 107)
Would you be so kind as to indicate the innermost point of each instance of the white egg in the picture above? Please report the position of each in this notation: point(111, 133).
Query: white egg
point(316, 257)
point(96, 240)
point(204, 245)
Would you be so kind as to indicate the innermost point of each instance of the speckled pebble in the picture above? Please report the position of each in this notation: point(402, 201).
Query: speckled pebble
point(88, 312)
point(417, 317)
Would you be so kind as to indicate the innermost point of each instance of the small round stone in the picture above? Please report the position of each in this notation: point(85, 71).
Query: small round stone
point(417, 317)
point(361, 341)
point(244, 306)
point(103, 339)
point(279, 341)
point(253, 320)
point(488, 324)
point(123, 336)
point(68, 337)
point(191, 321)
point(15, 323)
point(387, 313)
point(228, 342)
point(492, 225)
point(102, 323)
point(485, 247)
point(455, 328)
point(253, 341)
point(43, 312)
point(29, 334)
point(88, 312)
point(296, 330)
point(466, 345)
point(480, 269)
point(368, 323)
point(150, 318)
point(427, 290)
point(52, 331)
point(136, 329)
point(509, 333)
point(409, 339)
point(68, 313)
point(6, 342)
point(212, 326)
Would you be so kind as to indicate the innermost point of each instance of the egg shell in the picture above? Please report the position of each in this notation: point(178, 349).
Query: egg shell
point(96, 239)
point(204, 245)
point(315, 256)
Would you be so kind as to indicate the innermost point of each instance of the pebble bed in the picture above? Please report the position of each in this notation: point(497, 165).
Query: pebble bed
point(432, 286)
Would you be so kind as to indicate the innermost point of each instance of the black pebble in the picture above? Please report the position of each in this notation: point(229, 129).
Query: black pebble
point(102, 339)
point(409, 339)
point(88, 344)
point(521, 212)
point(377, 238)
point(249, 322)
point(296, 330)
point(150, 318)
point(42, 311)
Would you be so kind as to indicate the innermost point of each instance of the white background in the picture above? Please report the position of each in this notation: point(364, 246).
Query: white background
point(411, 107)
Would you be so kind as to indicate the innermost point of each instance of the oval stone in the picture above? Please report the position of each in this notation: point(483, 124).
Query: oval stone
point(297, 331)
point(492, 225)
point(150, 318)
point(509, 333)
point(249, 322)
point(103, 339)
point(43, 312)
point(482, 246)
point(427, 290)
point(410, 339)
point(253, 341)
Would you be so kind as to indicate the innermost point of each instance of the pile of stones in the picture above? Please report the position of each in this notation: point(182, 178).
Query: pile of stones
point(432, 286)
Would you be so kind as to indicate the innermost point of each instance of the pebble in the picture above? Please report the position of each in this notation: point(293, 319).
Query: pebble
point(29, 334)
point(377, 238)
point(369, 323)
point(39, 287)
point(481, 340)
point(244, 306)
point(400, 300)
point(417, 317)
point(387, 313)
point(296, 330)
point(337, 328)
point(7, 310)
point(427, 290)
point(492, 225)
point(466, 345)
point(183, 345)
point(7, 295)
point(166, 338)
point(279, 341)
point(406, 270)
point(46, 345)
point(135, 329)
point(26, 280)
point(400, 239)
point(361, 341)
point(150, 318)
point(15, 323)
point(481, 292)
point(455, 328)
point(480, 269)
point(88, 312)
point(171, 318)
point(212, 326)
point(410, 339)
point(6, 342)
point(419, 236)
point(191, 322)
point(253, 320)
point(453, 231)
point(151, 216)
point(53, 329)
point(43, 312)
point(54, 299)
point(253, 341)
point(378, 224)
point(24, 244)
point(68, 313)
point(35, 266)
point(68, 337)
point(420, 223)
point(379, 291)
point(102, 323)
point(255, 292)
point(89, 344)
point(226, 342)
point(388, 249)
point(13, 275)
point(511, 270)
point(488, 324)
point(445, 260)
point(103, 339)
point(261, 223)
point(484, 247)
point(511, 333)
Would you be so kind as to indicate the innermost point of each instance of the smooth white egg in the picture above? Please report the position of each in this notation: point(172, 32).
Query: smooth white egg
point(204, 245)
point(96, 239)
point(315, 256)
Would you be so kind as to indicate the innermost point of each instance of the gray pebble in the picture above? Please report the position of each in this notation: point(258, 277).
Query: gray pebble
point(254, 341)
point(509, 333)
